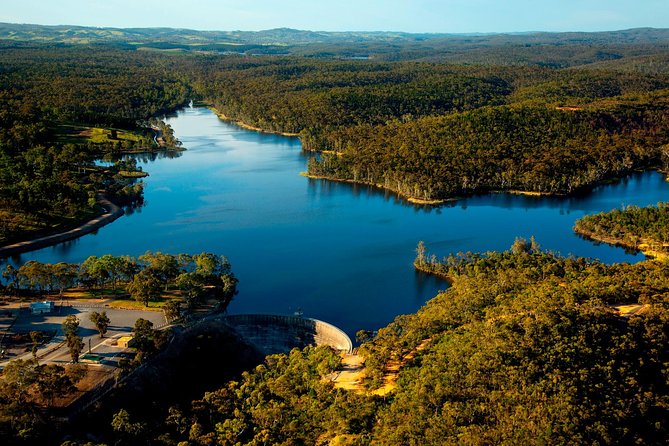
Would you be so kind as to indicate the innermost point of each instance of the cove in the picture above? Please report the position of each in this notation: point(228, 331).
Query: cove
point(337, 252)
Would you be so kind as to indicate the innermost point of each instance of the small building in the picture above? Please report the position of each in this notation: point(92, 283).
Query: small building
point(125, 342)
point(42, 307)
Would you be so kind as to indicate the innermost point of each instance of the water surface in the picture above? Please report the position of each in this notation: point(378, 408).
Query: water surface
point(335, 251)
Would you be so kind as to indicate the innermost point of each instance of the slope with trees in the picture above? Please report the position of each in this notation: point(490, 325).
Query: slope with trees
point(644, 228)
point(524, 347)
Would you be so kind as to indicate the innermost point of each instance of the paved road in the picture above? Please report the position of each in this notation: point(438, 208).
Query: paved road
point(112, 212)
point(122, 322)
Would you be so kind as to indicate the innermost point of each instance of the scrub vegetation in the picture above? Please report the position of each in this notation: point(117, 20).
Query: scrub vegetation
point(524, 347)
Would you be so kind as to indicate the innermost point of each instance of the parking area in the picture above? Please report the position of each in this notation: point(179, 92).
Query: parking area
point(121, 323)
point(121, 320)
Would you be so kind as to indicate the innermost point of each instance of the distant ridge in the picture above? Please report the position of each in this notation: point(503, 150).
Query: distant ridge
point(76, 34)
point(528, 48)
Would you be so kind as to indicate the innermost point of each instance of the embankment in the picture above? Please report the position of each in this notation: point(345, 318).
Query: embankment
point(279, 334)
point(111, 213)
point(645, 246)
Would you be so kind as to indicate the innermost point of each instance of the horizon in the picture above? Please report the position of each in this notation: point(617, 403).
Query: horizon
point(398, 16)
point(389, 31)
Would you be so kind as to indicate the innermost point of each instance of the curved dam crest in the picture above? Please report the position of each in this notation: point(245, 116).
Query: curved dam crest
point(273, 334)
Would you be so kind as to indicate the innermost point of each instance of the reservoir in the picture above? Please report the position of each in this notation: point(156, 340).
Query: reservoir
point(333, 251)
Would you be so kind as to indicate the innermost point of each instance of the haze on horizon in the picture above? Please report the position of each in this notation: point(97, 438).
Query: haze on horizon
point(415, 16)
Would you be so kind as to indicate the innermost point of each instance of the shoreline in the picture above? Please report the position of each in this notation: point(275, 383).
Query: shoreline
point(415, 200)
point(424, 270)
point(433, 202)
point(642, 247)
point(408, 198)
point(527, 193)
point(111, 213)
point(222, 116)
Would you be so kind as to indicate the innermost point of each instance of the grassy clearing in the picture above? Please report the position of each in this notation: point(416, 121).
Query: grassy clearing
point(129, 174)
point(80, 134)
point(128, 303)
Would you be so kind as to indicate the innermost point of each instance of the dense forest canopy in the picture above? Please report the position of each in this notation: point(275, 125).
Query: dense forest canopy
point(434, 131)
point(574, 110)
point(52, 102)
point(644, 228)
point(523, 348)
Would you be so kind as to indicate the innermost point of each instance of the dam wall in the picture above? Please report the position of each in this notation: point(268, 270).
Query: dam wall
point(280, 334)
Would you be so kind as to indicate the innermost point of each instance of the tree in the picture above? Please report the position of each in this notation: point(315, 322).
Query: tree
point(17, 377)
point(521, 245)
point(75, 345)
point(101, 322)
point(363, 336)
point(112, 266)
point(64, 275)
point(52, 381)
point(92, 272)
point(121, 423)
point(144, 335)
point(192, 286)
point(145, 287)
point(228, 289)
point(34, 274)
point(10, 274)
point(420, 254)
point(35, 339)
point(70, 325)
point(210, 265)
point(165, 267)
point(173, 309)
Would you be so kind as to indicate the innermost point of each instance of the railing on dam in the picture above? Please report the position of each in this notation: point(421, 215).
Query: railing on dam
point(279, 334)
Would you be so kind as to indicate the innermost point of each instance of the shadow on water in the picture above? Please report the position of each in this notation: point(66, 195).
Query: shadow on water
point(426, 283)
point(327, 188)
point(144, 157)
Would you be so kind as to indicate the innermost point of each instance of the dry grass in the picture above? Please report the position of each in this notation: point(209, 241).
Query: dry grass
point(629, 310)
point(352, 372)
point(95, 376)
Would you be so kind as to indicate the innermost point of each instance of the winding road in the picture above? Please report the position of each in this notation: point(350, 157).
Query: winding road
point(112, 212)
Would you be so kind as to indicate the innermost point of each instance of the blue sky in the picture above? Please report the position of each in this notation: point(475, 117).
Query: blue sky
point(448, 16)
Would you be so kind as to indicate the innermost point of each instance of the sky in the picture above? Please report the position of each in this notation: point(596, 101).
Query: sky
point(429, 16)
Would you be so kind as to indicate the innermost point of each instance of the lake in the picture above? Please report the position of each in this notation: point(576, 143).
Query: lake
point(335, 251)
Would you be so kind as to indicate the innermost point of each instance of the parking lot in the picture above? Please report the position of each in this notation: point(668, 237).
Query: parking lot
point(121, 323)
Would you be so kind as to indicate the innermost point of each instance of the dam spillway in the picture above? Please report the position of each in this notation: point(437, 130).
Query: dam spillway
point(272, 334)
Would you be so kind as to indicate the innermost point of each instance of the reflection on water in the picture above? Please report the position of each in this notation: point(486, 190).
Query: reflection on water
point(338, 251)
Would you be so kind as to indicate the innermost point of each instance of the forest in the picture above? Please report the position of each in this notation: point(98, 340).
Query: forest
point(436, 131)
point(62, 109)
point(524, 347)
point(645, 228)
point(428, 128)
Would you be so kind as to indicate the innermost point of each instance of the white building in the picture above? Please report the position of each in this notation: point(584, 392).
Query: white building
point(41, 307)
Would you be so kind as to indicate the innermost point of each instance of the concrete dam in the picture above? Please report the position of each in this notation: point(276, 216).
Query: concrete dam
point(280, 334)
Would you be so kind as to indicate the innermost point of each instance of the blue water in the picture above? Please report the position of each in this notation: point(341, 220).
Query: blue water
point(335, 251)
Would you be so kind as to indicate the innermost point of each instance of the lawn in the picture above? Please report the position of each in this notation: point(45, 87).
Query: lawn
point(128, 303)
point(66, 133)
